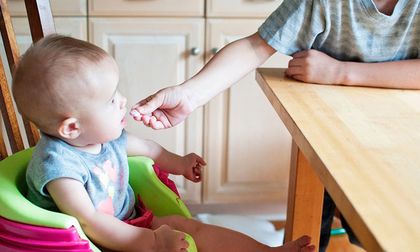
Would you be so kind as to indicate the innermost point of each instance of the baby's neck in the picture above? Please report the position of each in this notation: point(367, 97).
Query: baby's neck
point(92, 148)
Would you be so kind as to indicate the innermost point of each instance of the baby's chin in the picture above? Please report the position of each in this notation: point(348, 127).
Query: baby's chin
point(114, 137)
point(124, 122)
point(109, 138)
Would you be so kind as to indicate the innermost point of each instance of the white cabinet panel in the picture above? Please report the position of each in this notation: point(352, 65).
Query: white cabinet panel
point(186, 8)
point(241, 8)
point(58, 7)
point(152, 54)
point(247, 147)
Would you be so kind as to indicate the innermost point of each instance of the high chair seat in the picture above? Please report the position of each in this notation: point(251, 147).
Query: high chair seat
point(27, 227)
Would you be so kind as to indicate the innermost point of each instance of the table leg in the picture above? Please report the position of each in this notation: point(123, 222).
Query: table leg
point(304, 206)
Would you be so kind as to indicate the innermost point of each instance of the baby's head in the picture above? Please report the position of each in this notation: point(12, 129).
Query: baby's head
point(68, 88)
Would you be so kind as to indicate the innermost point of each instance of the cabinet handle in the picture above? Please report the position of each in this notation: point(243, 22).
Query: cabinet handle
point(195, 51)
point(214, 50)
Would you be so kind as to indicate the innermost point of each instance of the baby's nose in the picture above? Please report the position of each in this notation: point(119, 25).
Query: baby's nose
point(123, 101)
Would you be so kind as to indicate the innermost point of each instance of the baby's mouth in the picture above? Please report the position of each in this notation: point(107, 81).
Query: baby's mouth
point(124, 121)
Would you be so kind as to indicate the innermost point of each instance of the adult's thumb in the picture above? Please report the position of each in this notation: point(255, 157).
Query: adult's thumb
point(151, 104)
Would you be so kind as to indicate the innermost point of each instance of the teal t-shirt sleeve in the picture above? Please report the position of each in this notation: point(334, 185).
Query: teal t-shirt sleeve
point(294, 26)
point(55, 164)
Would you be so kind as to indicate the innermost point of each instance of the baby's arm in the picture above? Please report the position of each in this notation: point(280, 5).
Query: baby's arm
point(189, 165)
point(317, 67)
point(71, 198)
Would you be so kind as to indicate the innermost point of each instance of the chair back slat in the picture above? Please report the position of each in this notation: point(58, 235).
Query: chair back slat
point(9, 38)
point(40, 18)
point(8, 113)
point(41, 23)
point(12, 52)
point(3, 150)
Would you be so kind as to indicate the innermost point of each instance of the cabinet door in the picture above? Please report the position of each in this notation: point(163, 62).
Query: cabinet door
point(247, 147)
point(241, 8)
point(70, 26)
point(75, 27)
point(58, 7)
point(152, 54)
point(179, 8)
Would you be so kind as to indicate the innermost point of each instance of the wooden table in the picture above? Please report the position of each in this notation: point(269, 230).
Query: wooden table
point(363, 145)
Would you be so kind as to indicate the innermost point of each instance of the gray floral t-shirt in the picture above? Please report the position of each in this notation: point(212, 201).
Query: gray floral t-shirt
point(104, 175)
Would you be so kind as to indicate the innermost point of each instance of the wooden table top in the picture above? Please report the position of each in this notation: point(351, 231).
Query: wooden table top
point(364, 144)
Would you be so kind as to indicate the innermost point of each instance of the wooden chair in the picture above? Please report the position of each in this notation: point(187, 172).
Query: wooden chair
point(41, 24)
point(24, 226)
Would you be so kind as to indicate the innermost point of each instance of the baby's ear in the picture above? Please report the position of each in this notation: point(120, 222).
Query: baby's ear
point(69, 128)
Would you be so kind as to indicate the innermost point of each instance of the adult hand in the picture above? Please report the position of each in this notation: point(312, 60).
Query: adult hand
point(164, 109)
point(315, 67)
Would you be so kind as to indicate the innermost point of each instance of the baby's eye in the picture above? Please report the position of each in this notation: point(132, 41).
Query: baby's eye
point(114, 100)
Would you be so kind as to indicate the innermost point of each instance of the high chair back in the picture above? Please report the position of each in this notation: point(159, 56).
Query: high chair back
point(41, 24)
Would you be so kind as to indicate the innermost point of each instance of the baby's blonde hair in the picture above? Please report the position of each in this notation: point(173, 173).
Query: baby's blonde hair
point(48, 79)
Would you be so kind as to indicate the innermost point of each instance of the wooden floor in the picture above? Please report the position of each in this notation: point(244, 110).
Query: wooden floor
point(338, 243)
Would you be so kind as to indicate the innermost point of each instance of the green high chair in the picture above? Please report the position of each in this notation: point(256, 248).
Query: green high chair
point(27, 227)
point(24, 226)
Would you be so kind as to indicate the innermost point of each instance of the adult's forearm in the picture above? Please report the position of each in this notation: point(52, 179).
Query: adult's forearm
point(403, 74)
point(228, 66)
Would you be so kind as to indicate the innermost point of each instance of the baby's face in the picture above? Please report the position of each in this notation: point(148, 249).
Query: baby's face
point(103, 116)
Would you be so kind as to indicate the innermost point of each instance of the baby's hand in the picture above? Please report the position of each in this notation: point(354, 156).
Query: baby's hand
point(192, 167)
point(169, 240)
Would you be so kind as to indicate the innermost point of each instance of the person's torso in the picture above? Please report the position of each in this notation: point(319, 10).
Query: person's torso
point(347, 30)
point(358, 31)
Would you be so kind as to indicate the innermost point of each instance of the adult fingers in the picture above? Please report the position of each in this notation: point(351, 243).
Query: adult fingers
point(299, 77)
point(155, 124)
point(149, 105)
point(300, 54)
point(163, 118)
point(294, 70)
point(296, 62)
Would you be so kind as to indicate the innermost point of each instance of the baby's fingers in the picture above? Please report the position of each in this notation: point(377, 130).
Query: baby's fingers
point(197, 171)
point(200, 160)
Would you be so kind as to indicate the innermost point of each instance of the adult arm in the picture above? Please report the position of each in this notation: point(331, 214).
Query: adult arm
point(317, 67)
point(170, 106)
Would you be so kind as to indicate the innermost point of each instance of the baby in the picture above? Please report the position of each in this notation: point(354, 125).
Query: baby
point(68, 88)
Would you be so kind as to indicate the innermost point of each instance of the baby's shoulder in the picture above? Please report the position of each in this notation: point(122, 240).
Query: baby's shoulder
point(50, 152)
point(49, 147)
